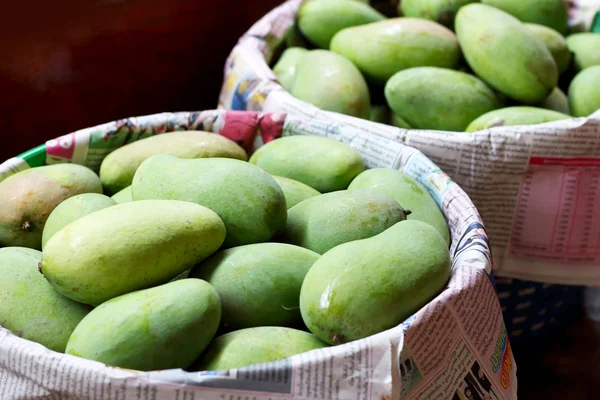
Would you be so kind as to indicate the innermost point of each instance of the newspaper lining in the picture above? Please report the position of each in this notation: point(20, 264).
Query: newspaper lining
point(431, 355)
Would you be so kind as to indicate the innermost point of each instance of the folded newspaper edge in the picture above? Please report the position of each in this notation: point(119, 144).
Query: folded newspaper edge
point(457, 342)
point(509, 172)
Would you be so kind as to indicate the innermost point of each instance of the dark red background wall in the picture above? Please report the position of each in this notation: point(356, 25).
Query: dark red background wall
point(68, 64)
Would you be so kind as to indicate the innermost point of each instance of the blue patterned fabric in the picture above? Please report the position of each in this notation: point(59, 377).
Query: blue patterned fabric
point(532, 309)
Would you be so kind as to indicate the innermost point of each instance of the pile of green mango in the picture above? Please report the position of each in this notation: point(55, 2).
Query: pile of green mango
point(205, 259)
point(453, 65)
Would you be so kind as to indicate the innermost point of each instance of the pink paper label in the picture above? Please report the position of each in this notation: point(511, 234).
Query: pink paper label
point(241, 127)
point(60, 149)
point(558, 212)
point(271, 126)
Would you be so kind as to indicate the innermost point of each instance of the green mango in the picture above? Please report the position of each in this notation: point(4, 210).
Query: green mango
point(294, 191)
point(248, 200)
point(584, 92)
point(30, 307)
point(557, 101)
point(254, 346)
point(438, 98)
point(398, 122)
point(123, 196)
point(440, 11)
point(28, 197)
point(118, 168)
point(408, 192)
point(518, 115)
point(383, 48)
point(556, 44)
point(364, 287)
point(379, 114)
point(164, 327)
point(585, 48)
point(285, 68)
point(321, 163)
point(259, 284)
point(551, 13)
point(505, 53)
point(71, 210)
point(323, 222)
point(129, 247)
point(332, 83)
point(320, 20)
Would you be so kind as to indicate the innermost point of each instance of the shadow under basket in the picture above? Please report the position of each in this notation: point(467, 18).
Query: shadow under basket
point(533, 310)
